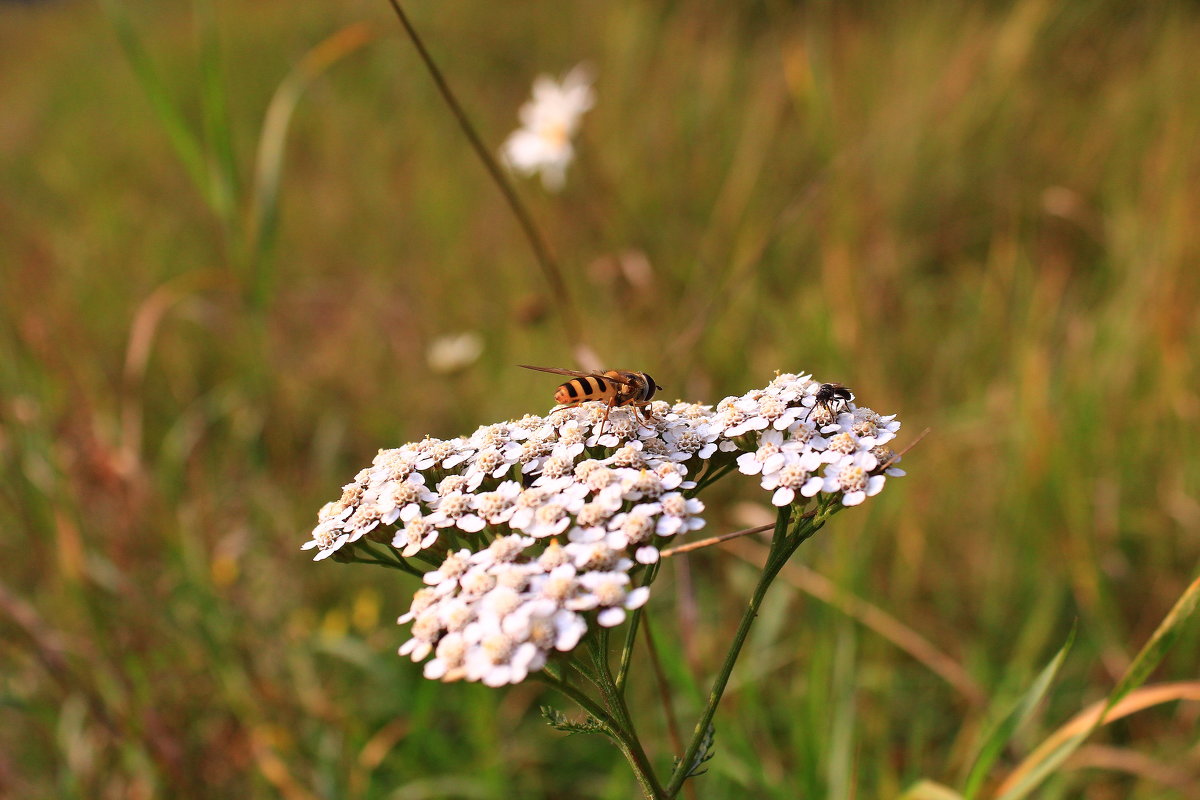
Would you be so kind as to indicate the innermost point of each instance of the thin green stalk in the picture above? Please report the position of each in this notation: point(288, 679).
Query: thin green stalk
point(580, 697)
point(183, 140)
point(218, 131)
point(378, 561)
point(452, 539)
point(603, 677)
point(712, 477)
point(541, 252)
point(634, 621)
point(664, 693)
point(624, 738)
point(782, 547)
point(615, 699)
point(389, 559)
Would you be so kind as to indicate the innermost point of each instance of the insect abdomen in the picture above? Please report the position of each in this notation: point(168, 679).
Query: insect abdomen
point(581, 389)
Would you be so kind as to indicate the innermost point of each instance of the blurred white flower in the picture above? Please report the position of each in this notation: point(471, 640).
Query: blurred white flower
point(548, 123)
point(454, 352)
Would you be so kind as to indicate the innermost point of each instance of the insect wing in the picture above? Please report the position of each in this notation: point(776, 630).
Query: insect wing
point(602, 376)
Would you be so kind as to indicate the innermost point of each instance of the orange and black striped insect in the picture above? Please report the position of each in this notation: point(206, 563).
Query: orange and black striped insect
point(614, 388)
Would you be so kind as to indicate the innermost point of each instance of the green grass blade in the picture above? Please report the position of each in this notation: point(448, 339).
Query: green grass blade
point(1000, 737)
point(1149, 657)
point(272, 141)
point(187, 147)
point(218, 131)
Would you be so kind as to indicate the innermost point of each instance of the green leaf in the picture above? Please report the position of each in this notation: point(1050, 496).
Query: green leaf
point(1003, 733)
point(559, 721)
point(705, 753)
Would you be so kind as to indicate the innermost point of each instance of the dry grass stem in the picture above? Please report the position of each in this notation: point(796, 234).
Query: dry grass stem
point(712, 540)
point(874, 618)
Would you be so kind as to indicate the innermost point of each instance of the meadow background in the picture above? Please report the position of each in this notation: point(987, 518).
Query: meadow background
point(980, 216)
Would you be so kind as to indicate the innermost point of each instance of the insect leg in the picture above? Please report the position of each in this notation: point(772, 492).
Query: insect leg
point(644, 408)
point(607, 409)
point(565, 408)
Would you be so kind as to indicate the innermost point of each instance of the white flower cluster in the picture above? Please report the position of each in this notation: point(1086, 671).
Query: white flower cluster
point(805, 446)
point(548, 124)
point(493, 616)
point(538, 526)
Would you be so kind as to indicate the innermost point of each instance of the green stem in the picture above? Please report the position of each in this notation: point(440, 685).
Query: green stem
point(635, 620)
point(625, 739)
point(614, 698)
point(664, 689)
point(581, 699)
point(603, 678)
point(712, 477)
point(378, 561)
point(390, 559)
point(541, 252)
point(783, 544)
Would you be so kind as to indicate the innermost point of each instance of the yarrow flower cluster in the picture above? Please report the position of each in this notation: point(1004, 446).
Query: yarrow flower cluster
point(548, 124)
point(538, 528)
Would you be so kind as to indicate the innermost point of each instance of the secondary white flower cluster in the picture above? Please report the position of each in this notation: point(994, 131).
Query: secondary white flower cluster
point(548, 123)
point(494, 615)
point(536, 528)
point(810, 447)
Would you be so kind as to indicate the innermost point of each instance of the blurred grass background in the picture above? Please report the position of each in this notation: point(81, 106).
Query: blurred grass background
point(981, 216)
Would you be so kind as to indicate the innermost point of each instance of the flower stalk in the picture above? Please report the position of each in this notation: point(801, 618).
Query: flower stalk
point(783, 543)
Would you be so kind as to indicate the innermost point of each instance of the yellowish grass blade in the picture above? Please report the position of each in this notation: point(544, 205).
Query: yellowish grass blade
point(1082, 724)
point(1125, 699)
point(930, 790)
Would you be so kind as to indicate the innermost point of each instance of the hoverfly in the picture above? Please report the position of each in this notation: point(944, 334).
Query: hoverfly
point(828, 396)
point(614, 388)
